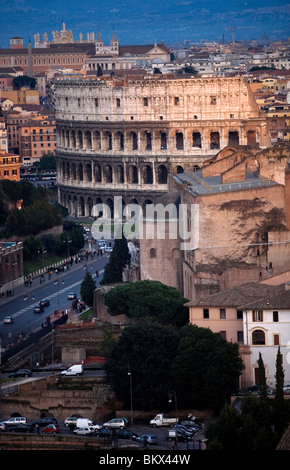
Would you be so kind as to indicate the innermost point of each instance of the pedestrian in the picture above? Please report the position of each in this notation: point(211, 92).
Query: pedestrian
point(37, 428)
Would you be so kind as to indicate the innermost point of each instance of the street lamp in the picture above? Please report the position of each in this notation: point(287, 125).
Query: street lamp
point(131, 392)
point(172, 394)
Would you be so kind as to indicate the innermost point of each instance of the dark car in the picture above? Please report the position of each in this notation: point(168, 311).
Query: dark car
point(147, 439)
point(125, 434)
point(181, 436)
point(23, 427)
point(44, 421)
point(104, 432)
point(44, 303)
point(51, 429)
point(38, 309)
point(21, 373)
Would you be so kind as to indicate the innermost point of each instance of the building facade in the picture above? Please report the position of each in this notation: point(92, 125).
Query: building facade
point(36, 137)
point(9, 166)
point(125, 136)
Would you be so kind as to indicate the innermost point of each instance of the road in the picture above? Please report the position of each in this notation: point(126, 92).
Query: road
point(20, 306)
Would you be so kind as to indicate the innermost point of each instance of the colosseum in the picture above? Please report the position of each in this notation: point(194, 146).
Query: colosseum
point(125, 136)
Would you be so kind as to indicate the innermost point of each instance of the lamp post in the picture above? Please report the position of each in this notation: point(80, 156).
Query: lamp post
point(131, 392)
point(171, 394)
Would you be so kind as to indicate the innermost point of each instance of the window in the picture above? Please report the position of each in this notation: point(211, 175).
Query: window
point(145, 101)
point(96, 102)
point(223, 334)
point(153, 253)
point(240, 336)
point(205, 313)
point(275, 316)
point(222, 313)
point(118, 102)
point(176, 100)
point(258, 337)
point(257, 315)
point(213, 99)
point(239, 314)
point(276, 339)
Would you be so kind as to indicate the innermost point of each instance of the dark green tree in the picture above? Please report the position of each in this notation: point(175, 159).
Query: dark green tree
point(148, 299)
point(209, 366)
point(224, 429)
point(146, 349)
point(119, 258)
point(279, 402)
point(87, 290)
point(24, 81)
point(262, 378)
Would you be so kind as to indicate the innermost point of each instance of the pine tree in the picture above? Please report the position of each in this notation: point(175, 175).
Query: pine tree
point(262, 378)
point(87, 290)
point(280, 417)
point(119, 258)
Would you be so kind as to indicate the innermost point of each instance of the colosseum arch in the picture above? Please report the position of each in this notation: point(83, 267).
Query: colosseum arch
point(98, 141)
point(148, 140)
point(119, 138)
point(163, 140)
point(80, 172)
point(67, 170)
point(179, 169)
point(134, 141)
point(108, 174)
point(162, 174)
point(119, 172)
point(79, 140)
point(82, 206)
point(88, 172)
point(147, 174)
point(73, 139)
point(108, 140)
point(179, 141)
point(73, 172)
point(98, 173)
point(233, 138)
point(196, 140)
point(132, 174)
point(89, 206)
point(214, 140)
point(252, 138)
point(88, 140)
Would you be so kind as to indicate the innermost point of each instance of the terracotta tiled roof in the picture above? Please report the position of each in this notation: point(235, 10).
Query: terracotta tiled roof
point(248, 296)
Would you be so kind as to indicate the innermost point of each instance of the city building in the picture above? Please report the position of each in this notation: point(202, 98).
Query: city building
point(124, 136)
point(36, 137)
point(11, 266)
point(9, 166)
point(254, 315)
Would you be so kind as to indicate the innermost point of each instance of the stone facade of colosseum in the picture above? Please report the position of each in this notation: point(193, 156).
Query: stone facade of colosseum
point(125, 137)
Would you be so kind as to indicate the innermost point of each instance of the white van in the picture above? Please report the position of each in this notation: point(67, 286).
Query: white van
point(87, 423)
point(76, 369)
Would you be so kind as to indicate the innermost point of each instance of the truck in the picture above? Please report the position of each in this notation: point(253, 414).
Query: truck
point(76, 369)
point(160, 420)
point(87, 423)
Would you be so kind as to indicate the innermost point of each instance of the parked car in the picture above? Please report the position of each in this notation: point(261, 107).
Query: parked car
point(3, 427)
point(115, 423)
point(104, 432)
point(75, 369)
point(44, 421)
point(71, 421)
point(44, 303)
point(21, 373)
point(23, 427)
point(15, 421)
point(184, 429)
point(51, 429)
point(147, 438)
point(8, 320)
point(108, 249)
point(38, 309)
point(84, 431)
point(181, 435)
point(126, 434)
point(72, 296)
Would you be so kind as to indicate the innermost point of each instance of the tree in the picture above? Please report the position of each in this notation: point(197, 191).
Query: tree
point(208, 365)
point(262, 378)
point(279, 402)
point(87, 290)
point(24, 81)
point(119, 258)
point(148, 299)
point(147, 349)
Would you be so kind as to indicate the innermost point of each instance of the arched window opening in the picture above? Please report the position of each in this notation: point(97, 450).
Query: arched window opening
point(258, 337)
point(162, 174)
point(147, 175)
point(179, 140)
point(214, 140)
point(196, 140)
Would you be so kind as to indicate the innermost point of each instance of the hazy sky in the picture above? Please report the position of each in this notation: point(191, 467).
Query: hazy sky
point(143, 22)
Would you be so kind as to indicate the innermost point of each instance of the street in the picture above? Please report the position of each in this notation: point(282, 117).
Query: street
point(20, 305)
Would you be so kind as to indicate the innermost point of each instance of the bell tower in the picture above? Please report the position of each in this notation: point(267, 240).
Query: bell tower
point(114, 44)
point(99, 45)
